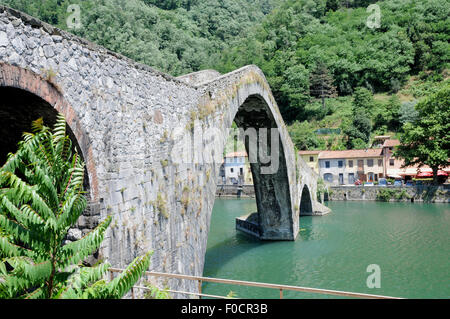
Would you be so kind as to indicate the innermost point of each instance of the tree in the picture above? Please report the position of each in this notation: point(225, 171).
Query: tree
point(358, 132)
point(321, 84)
point(41, 198)
point(426, 141)
point(295, 91)
point(408, 112)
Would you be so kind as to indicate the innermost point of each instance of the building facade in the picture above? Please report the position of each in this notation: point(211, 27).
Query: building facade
point(368, 165)
point(311, 158)
point(346, 167)
point(236, 169)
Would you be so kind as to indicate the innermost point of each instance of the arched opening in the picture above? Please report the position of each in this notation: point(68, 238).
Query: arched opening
point(18, 108)
point(305, 202)
point(26, 96)
point(328, 177)
point(264, 210)
point(264, 146)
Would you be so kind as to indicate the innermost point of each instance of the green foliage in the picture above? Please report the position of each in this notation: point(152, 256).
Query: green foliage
point(41, 198)
point(303, 136)
point(413, 36)
point(154, 292)
point(174, 36)
point(321, 188)
point(385, 194)
point(306, 48)
point(358, 131)
point(322, 85)
point(408, 112)
point(426, 141)
point(389, 115)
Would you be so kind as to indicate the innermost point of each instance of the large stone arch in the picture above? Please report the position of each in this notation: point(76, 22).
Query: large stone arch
point(273, 198)
point(46, 100)
point(244, 97)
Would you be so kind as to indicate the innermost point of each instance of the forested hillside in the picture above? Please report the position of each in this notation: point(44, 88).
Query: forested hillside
point(174, 36)
point(329, 69)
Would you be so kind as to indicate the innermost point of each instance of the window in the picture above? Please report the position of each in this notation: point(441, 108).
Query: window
point(380, 162)
point(391, 162)
point(370, 162)
point(351, 178)
point(340, 164)
point(328, 177)
point(327, 164)
point(232, 170)
point(350, 163)
point(311, 158)
point(360, 165)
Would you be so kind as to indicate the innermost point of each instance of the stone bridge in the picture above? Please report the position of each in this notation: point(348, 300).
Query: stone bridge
point(130, 122)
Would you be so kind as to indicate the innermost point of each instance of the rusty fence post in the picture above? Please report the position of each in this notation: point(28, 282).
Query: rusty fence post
point(200, 288)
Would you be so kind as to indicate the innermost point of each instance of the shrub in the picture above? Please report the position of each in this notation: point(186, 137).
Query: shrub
point(385, 195)
point(41, 198)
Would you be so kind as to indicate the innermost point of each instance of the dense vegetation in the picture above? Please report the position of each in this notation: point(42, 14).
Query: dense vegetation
point(175, 36)
point(41, 198)
point(319, 56)
point(426, 139)
point(404, 59)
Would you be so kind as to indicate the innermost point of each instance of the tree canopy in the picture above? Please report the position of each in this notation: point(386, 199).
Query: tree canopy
point(309, 50)
point(426, 140)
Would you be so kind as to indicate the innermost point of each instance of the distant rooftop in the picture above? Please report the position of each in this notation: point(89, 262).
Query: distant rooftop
point(382, 137)
point(391, 143)
point(237, 154)
point(309, 152)
point(370, 152)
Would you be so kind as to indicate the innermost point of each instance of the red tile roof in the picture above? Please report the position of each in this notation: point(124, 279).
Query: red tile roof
point(237, 154)
point(391, 143)
point(371, 152)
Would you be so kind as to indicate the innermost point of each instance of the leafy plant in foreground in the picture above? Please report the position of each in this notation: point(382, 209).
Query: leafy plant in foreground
point(41, 198)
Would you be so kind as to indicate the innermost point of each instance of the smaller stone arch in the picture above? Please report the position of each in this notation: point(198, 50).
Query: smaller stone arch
point(306, 206)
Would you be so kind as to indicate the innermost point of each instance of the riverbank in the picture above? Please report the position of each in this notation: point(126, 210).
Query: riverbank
point(428, 194)
point(235, 191)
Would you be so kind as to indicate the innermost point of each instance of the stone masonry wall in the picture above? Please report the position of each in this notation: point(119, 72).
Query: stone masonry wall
point(435, 194)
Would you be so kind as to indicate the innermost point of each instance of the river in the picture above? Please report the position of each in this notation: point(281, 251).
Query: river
point(410, 242)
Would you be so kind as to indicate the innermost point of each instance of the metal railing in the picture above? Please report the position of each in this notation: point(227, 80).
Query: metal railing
point(280, 288)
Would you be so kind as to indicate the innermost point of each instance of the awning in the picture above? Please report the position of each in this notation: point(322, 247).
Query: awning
point(442, 173)
point(394, 176)
point(424, 174)
point(430, 174)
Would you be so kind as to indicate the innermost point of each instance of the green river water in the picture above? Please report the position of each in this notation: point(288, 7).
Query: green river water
point(410, 242)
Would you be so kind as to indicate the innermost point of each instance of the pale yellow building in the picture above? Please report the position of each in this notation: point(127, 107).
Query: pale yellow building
point(311, 158)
